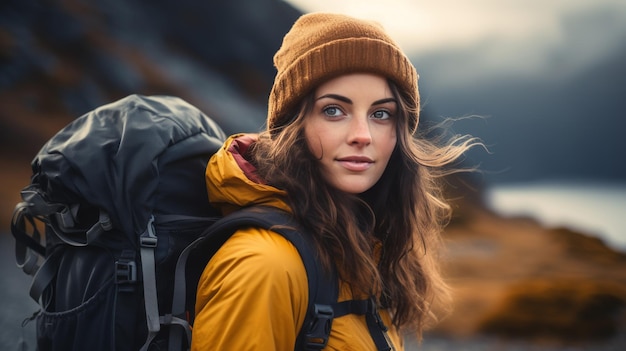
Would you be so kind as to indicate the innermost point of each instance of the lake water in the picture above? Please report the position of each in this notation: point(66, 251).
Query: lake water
point(597, 209)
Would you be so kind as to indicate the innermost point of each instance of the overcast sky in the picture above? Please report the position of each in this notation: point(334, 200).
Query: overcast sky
point(424, 25)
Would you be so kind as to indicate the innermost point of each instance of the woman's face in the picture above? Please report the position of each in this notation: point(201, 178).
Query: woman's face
point(351, 129)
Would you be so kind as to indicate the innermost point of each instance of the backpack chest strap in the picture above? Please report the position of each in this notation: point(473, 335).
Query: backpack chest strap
point(375, 324)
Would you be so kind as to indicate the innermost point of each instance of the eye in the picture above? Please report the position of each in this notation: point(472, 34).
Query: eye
point(381, 114)
point(332, 111)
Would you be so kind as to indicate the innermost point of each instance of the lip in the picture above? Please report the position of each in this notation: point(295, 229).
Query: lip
point(356, 163)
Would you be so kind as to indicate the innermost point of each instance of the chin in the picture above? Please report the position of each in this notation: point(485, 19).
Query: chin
point(353, 187)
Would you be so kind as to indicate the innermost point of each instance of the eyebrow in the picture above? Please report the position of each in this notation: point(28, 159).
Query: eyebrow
point(348, 101)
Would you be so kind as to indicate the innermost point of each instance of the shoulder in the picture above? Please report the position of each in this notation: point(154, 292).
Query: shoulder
point(254, 246)
point(251, 258)
point(255, 279)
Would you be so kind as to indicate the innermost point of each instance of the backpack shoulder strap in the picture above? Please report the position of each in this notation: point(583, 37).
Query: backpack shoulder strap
point(323, 286)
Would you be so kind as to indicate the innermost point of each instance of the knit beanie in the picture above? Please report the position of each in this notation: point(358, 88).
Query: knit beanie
point(321, 46)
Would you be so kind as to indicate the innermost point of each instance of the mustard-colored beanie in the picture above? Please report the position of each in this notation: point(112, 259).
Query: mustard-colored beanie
point(321, 46)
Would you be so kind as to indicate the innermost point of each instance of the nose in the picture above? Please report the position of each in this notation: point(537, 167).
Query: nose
point(360, 133)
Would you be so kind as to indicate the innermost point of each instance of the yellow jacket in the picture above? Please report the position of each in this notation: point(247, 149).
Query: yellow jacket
point(253, 293)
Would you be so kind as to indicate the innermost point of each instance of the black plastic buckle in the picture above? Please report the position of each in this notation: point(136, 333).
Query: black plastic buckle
point(319, 329)
point(125, 271)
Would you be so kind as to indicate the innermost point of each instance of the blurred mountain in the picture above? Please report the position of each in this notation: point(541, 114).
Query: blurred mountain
point(550, 108)
point(60, 59)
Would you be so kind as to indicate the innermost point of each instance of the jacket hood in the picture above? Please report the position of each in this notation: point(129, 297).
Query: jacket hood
point(232, 182)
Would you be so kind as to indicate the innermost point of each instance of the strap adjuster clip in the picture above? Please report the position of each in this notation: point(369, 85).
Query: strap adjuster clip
point(148, 238)
point(319, 329)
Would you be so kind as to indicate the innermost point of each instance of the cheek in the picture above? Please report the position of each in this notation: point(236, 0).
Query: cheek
point(313, 138)
point(389, 140)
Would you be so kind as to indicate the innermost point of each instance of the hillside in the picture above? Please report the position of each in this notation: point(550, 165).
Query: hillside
point(519, 281)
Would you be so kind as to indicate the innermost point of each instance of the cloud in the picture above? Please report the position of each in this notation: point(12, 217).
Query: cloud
point(580, 39)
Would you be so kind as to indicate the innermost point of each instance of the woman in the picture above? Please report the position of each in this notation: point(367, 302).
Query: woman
point(340, 155)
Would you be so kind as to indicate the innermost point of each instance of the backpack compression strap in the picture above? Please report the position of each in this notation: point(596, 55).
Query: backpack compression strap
point(323, 290)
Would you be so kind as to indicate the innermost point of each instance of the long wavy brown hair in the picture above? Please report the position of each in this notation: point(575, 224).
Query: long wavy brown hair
point(384, 242)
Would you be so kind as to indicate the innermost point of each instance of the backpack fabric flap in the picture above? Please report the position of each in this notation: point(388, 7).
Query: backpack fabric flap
point(108, 158)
